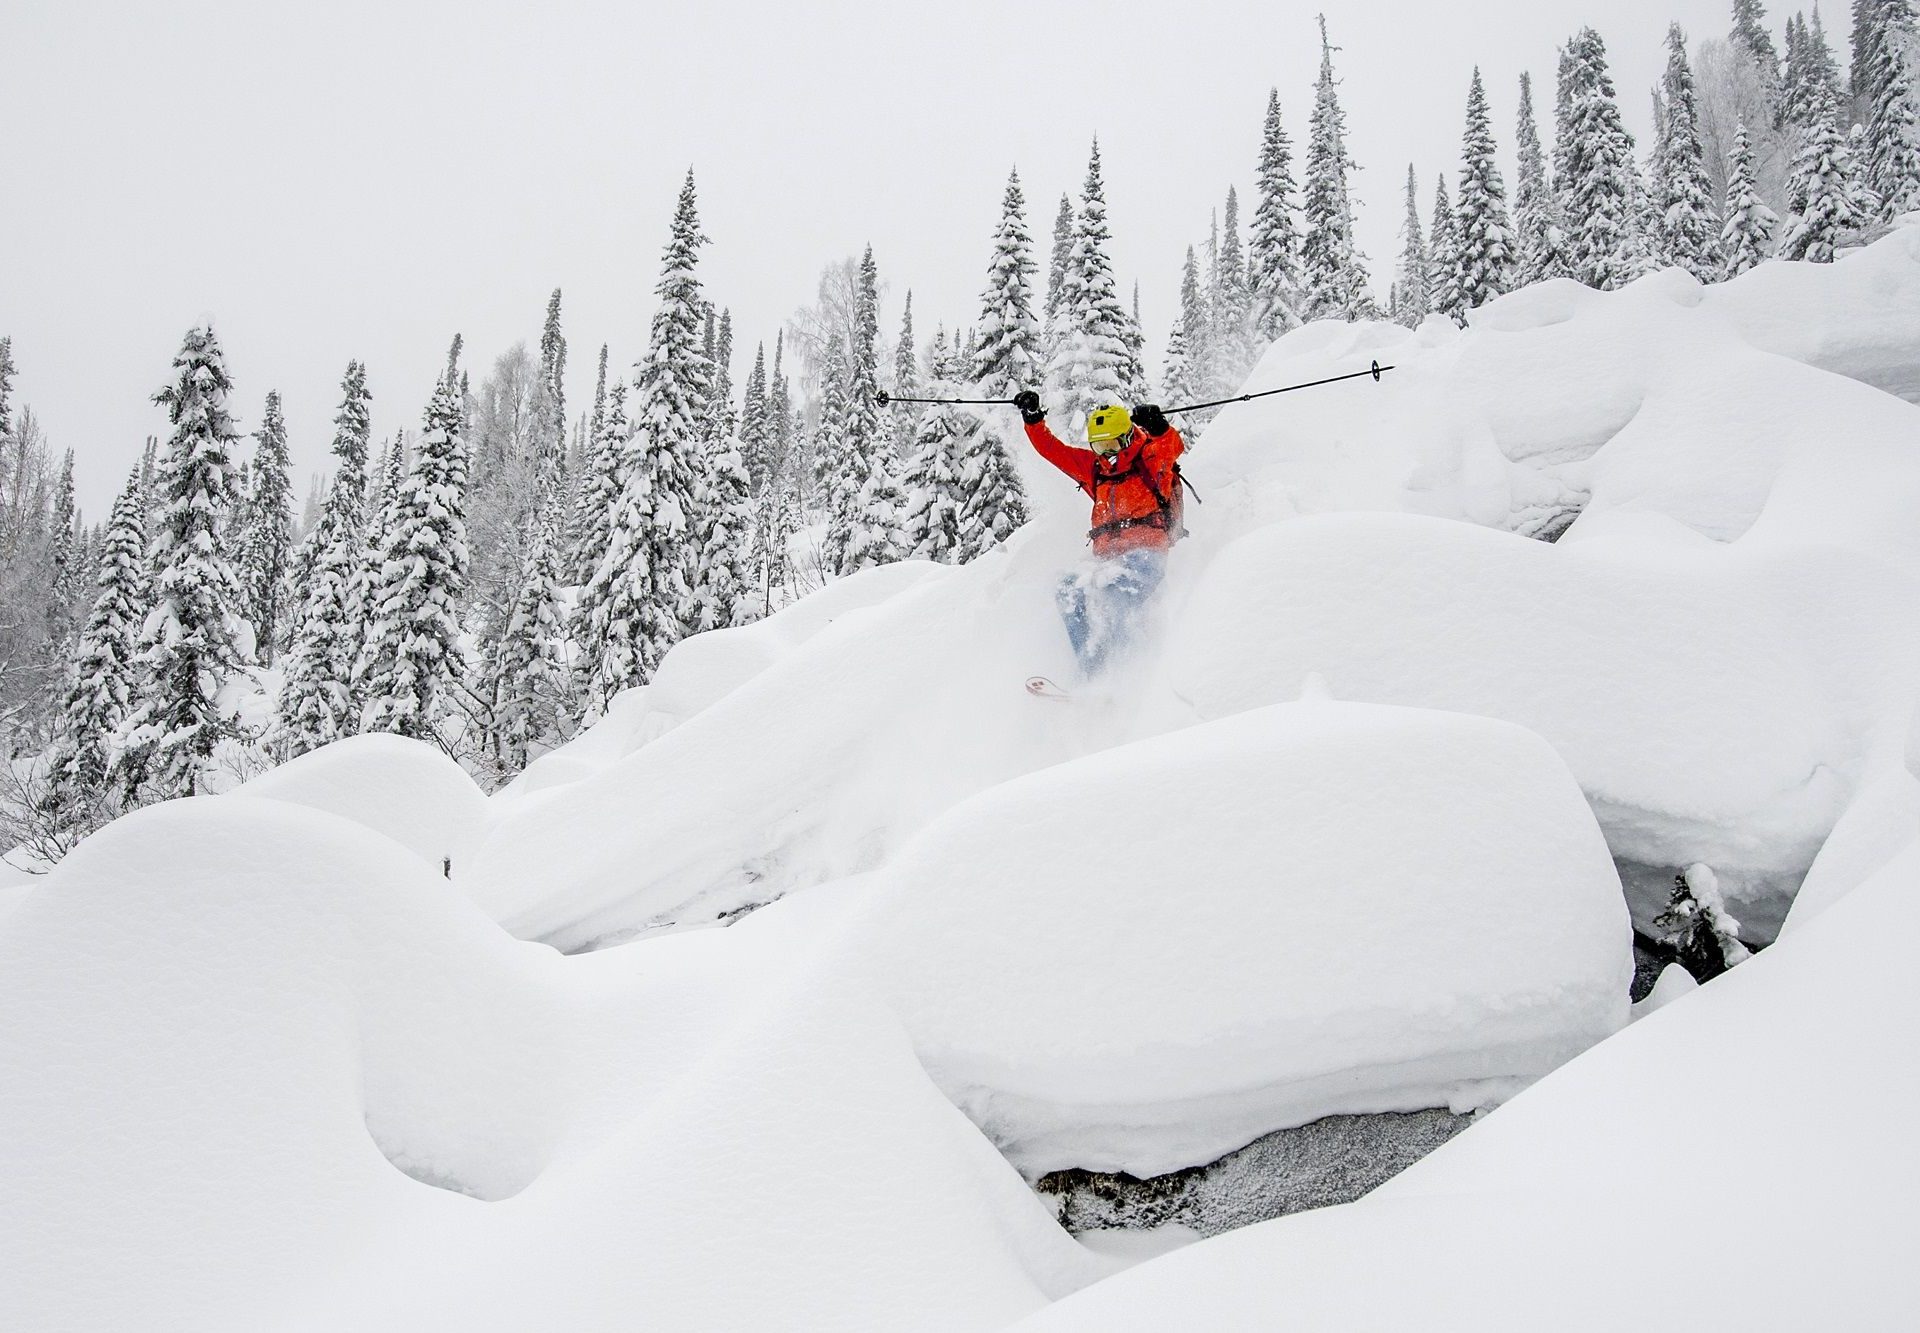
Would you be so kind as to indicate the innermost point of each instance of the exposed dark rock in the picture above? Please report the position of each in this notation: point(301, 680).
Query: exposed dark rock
point(1332, 1160)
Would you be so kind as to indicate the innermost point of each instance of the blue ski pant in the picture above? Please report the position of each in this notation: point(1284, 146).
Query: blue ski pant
point(1103, 604)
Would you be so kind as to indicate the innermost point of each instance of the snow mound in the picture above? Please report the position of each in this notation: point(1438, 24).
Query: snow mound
point(244, 1029)
point(1145, 959)
point(403, 788)
point(1740, 1158)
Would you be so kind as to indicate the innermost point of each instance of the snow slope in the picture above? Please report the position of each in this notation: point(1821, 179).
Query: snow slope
point(1711, 646)
point(264, 1064)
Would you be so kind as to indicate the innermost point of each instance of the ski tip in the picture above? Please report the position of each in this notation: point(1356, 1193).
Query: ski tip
point(1042, 688)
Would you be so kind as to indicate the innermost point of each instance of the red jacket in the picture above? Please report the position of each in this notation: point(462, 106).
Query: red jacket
point(1135, 492)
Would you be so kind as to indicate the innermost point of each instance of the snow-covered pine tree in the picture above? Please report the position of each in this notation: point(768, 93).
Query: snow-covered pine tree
point(412, 651)
point(1892, 166)
point(195, 637)
point(1230, 304)
point(1823, 191)
point(720, 392)
point(1685, 231)
point(905, 417)
point(1750, 35)
point(266, 547)
point(1410, 304)
point(781, 471)
point(772, 537)
point(1543, 242)
point(935, 500)
point(1273, 247)
point(1443, 287)
point(876, 535)
point(1057, 267)
point(315, 705)
point(1597, 179)
point(529, 689)
point(753, 419)
point(1185, 379)
point(63, 565)
point(1483, 233)
point(1746, 236)
point(1090, 363)
point(552, 402)
point(599, 487)
point(723, 573)
point(1133, 374)
point(638, 601)
point(1007, 356)
point(101, 689)
point(845, 471)
point(1332, 269)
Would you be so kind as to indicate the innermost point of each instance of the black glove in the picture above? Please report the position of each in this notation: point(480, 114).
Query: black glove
point(1149, 418)
point(1029, 404)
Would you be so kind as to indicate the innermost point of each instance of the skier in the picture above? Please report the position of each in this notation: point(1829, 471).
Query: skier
point(1131, 472)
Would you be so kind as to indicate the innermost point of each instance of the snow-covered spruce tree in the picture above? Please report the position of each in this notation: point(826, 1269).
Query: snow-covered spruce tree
point(1892, 166)
point(195, 637)
point(1746, 236)
point(934, 496)
point(638, 603)
point(753, 419)
point(723, 577)
point(781, 470)
point(1273, 246)
point(412, 650)
point(599, 486)
point(773, 525)
point(857, 439)
point(1685, 232)
point(722, 423)
point(1543, 242)
point(1597, 178)
point(876, 535)
point(1230, 304)
point(1750, 36)
point(827, 460)
point(1483, 233)
point(528, 692)
point(1057, 266)
point(1007, 356)
point(1823, 192)
point(904, 418)
point(1090, 364)
point(550, 403)
point(1185, 377)
point(1133, 373)
point(1332, 269)
point(1443, 287)
point(315, 704)
point(1410, 304)
point(101, 688)
point(266, 546)
point(63, 564)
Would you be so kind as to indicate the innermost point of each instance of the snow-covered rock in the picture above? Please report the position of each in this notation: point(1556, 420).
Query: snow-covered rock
point(1742, 1158)
point(1144, 959)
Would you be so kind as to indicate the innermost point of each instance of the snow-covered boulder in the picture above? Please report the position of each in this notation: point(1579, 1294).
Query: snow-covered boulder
point(1144, 959)
point(394, 785)
point(1741, 1158)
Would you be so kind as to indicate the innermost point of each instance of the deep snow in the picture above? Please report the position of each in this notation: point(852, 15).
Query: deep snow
point(265, 1064)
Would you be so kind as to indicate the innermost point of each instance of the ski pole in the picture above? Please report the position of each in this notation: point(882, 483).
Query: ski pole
point(1376, 370)
point(883, 398)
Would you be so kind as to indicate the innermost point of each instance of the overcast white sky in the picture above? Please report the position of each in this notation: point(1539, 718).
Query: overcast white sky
point(364, 179)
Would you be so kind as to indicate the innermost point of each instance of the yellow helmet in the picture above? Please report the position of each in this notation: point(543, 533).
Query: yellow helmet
point(1108, 428)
